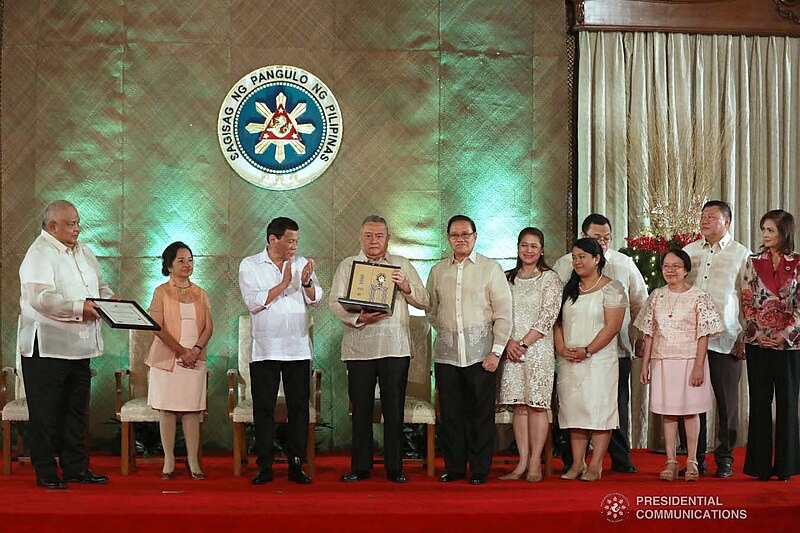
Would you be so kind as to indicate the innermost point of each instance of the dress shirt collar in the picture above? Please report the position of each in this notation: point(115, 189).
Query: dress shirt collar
point(723, 242)
point(473, 256)
point(60, 246)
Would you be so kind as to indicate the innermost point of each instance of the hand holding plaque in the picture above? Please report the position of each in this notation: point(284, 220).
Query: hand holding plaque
point(124, 314)
point(371, 288)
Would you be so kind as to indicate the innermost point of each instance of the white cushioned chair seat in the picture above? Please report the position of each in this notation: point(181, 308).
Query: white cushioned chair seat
point(415, 411)
point(137, 410)
point(16, 410)
point(243, 412)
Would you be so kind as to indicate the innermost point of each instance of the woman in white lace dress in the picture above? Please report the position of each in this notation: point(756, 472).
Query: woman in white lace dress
point(527, 376)
point(593, 307)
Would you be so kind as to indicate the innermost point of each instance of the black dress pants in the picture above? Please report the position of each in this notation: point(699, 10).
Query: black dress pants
point(725, 371)
point(265, 378)
point(391, 373)
point(772, 372)
point(467, 400)
point(619, 447)
point(58, 396)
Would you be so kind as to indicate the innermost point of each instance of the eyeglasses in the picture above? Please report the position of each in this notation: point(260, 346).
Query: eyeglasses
point(671, 267)
point(603, 238)
point(466, 235)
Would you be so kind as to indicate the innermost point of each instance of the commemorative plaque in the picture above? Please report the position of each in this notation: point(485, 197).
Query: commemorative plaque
point(370, 289)
point(125, 314)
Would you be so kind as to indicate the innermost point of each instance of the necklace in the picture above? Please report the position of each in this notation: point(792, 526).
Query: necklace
point(183, 288)
point(536, 274)
point(670, 303)
point(580, 288)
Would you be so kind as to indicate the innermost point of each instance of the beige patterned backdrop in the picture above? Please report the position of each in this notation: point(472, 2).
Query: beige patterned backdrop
point(449, 106)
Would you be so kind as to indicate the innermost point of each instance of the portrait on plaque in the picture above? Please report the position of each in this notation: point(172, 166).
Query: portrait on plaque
point(371, 288)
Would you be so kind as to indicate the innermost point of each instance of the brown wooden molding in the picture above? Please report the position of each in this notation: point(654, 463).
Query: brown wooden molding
point(747, 17)
point(788, 9)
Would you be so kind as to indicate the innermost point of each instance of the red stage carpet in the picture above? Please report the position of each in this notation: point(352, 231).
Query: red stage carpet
point(143, 503)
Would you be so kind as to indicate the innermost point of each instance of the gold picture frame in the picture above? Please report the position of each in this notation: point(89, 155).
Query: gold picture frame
point(371, 288)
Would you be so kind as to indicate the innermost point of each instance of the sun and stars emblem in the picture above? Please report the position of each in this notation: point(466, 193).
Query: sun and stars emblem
point(280, 128)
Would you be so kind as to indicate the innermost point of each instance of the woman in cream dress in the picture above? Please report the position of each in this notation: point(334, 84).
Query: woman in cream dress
point(177, 357)
point(527, 375)
point(593, 307)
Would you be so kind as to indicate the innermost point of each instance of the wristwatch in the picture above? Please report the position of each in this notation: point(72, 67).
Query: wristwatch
point(307, 286)
point(588, 353)
point(524, 345)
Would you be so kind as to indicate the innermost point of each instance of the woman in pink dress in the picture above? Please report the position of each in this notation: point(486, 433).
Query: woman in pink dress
point(771, 306)
point(677, 322)
point(177, 357)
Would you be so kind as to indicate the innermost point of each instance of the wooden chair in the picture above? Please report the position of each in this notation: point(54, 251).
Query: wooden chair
point(135, 408)
point(240, 401)
point(419, 404)
point(14, 411)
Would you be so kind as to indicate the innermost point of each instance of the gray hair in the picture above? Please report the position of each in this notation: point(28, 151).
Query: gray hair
point(51, 210)
point(377, 219)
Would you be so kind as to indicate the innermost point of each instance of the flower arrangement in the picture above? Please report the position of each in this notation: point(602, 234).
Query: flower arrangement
point(645, 251)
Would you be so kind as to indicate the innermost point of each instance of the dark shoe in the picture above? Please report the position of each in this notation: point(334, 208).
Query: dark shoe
point(88, 477)
point(296, 473)
point(447, 477)
point(197, 476)
point(724, 470)
point(50, 482)
point(625, 469)
point(397, 477)
point(264, 475)
point(354, 476)
point(475, 479)
point(784, 478)
point(168, 475)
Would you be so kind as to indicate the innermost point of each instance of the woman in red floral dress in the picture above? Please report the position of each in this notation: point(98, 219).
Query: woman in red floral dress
point(770, 306)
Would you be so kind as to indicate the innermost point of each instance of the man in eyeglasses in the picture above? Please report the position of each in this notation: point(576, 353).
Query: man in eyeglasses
point(621, 268)
point(470, 308)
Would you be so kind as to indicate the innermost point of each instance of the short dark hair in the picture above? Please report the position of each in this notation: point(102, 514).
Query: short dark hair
point(785, 223)
point(461, 218)
point(596, 219)
point(680, 254)
point(170, 253)
point(724, 207)
point(279, 226)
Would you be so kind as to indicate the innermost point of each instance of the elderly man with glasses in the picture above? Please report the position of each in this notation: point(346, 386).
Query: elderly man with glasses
point(619, 267)
point(470, 309)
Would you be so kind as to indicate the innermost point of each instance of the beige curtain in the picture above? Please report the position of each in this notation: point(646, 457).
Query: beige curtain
point(740, 94)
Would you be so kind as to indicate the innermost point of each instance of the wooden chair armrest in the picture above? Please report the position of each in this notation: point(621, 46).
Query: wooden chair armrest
point(317, 390)
point(233, 375)
point(118, 382)
point(5, 375)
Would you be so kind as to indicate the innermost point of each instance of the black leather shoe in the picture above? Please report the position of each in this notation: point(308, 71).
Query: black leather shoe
point(264, 475)
point(724, 470)
point(447, 477)
point(354, 476)
point(625, 469)
point(397, 477)
point(88, 477)
point(784, 478)
point(50, 482)
point(296, 473)
point(477, 480)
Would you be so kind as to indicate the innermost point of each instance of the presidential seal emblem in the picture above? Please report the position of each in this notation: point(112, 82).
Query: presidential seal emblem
point(280, 127)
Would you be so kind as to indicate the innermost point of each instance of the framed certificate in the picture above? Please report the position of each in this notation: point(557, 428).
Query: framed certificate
point(124, 314)
point(371, 288)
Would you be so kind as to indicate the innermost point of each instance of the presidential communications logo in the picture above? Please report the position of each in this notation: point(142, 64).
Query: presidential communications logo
point(280, 127)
